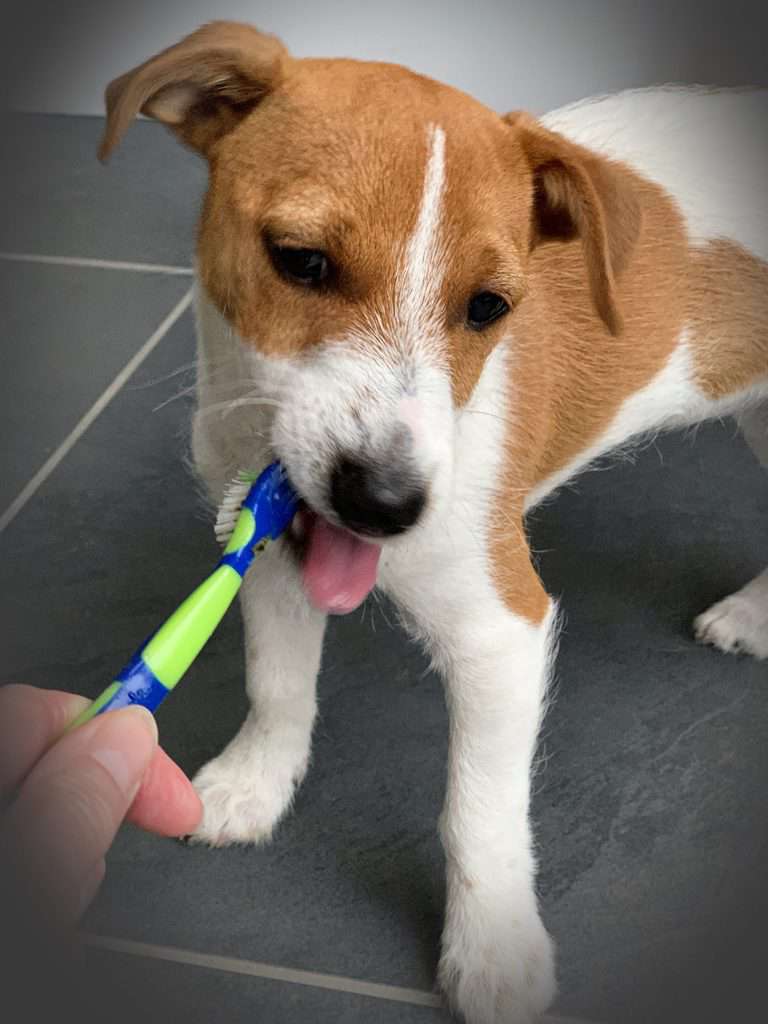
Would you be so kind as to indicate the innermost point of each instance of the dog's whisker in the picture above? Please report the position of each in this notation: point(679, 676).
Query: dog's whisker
point(231, 405)
point(184, 393)
point(164, 378)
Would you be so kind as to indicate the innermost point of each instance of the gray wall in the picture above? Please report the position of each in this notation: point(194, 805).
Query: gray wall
point(509, 53)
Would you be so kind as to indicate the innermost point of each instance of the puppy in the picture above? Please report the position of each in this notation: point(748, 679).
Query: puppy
point(434, 316)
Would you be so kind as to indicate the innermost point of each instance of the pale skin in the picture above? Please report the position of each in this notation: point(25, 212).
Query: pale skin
point(68, 793)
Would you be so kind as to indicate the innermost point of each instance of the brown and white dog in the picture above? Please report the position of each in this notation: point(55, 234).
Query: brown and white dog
point(435, 315)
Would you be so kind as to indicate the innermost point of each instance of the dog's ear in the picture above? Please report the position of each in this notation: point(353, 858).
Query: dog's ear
point(580, 194)
point(201, 87)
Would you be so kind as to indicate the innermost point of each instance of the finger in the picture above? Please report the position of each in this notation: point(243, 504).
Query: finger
point(70, 807)
point(166, 802)
point(30, 721)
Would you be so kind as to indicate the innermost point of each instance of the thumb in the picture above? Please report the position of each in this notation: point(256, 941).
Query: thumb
point(69, 808)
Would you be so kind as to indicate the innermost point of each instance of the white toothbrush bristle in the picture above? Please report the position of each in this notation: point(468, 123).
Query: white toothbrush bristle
point(234, 495)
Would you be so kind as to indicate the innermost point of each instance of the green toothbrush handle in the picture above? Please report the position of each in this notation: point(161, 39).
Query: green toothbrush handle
point(154, 670)
point(160, 663)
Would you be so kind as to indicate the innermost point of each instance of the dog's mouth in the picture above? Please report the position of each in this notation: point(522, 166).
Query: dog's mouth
point(338, 568)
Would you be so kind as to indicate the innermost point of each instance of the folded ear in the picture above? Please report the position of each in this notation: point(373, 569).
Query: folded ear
point(201, 87)
point(578, 193)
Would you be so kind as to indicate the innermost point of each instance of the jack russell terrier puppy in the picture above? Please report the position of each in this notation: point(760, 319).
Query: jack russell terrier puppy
point(434, 315)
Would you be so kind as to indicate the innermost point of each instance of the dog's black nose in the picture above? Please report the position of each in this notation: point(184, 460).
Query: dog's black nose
point(374, 499)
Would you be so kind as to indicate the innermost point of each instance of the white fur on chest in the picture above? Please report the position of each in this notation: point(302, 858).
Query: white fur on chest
point(434, 558)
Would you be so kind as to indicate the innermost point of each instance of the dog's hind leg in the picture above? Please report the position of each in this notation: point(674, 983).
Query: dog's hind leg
point(739, 623)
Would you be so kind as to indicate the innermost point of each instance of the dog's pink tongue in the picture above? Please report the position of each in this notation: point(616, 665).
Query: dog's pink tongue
point(339, 570)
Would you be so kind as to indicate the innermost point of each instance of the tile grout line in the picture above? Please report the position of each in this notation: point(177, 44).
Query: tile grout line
point(273, 972)
point(95, 410)
point(96, 264)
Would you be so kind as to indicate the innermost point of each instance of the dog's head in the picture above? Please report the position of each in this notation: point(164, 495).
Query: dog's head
point(368, 234)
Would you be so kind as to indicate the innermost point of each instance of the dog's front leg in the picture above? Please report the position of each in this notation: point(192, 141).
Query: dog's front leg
point(494, 653)
point(497, 961)
point(249, 786)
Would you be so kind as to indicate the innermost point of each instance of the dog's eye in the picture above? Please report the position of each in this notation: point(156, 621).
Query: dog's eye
point(484, 308)
point(304, 266)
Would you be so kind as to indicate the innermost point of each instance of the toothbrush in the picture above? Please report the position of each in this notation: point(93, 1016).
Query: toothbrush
point(252, 513)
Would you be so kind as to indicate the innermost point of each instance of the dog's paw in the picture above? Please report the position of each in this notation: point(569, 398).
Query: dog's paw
point(737, 625)
point(499, 977)
point(242, 801)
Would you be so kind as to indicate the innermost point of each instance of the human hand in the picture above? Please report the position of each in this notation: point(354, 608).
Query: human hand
point(71, 791)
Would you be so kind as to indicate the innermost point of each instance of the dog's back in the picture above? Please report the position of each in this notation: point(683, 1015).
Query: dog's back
point(707, 148)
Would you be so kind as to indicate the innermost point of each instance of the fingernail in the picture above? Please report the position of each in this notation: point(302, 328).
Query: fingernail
point(144, 716)
point(124, 745)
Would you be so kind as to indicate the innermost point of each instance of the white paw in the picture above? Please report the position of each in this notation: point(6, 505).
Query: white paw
point(243, 797)
point(737, 625)
point(498, 975)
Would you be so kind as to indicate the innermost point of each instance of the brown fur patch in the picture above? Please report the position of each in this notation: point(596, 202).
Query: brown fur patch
point(201, 87)
point(728, 299)
point(577, 372)
point(312, 166)
point(514, 576)
point(569, 377)
point(568, 374)
point(294, 172)
point(579, 194)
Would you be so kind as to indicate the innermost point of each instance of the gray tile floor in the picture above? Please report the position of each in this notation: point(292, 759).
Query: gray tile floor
point(650, 803)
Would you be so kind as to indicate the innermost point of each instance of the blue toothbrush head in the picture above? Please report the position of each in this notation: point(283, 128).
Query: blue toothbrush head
point(272, 502)
point(254, 513)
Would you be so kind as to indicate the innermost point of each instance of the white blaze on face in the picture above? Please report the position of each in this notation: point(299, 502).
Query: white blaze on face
point(355, 394)
point(421, 276)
